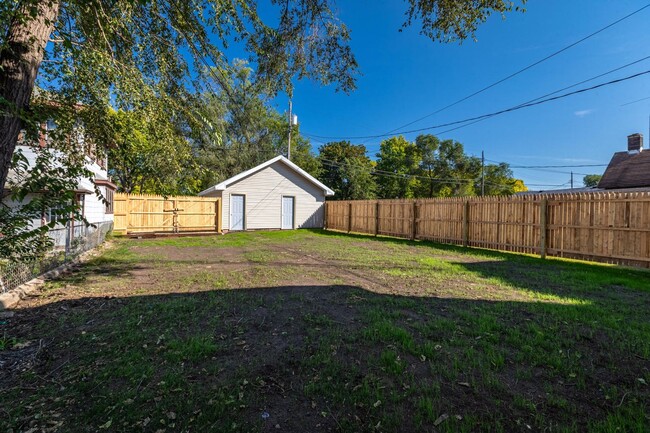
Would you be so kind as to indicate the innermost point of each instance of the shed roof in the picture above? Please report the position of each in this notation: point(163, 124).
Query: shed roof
point(627, 170)
point(226, 183)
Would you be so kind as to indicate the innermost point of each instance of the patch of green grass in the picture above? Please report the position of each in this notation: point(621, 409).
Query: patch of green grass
point(260, 256)
point(193, 348)
point(391, 362)
point(630, 418)
point(387, 332)
point(7, 342)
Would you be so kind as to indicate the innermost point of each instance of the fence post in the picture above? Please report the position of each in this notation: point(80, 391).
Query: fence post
point(543, 227)
point(466, 224)
point(377, 218)
point(174, 217)
point(128, 214)
point(414, 232)
point(217, 215)
point(349, 217)
point(325, 210)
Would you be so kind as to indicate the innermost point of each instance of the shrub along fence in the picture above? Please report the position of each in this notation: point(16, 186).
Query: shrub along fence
point(605, 227)
point(144, 213)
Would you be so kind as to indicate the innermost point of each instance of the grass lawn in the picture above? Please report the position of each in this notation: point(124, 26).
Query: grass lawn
point(308, 331)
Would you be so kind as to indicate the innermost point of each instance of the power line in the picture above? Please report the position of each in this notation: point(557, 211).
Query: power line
point(485, 116)
point(553, 93)
point(557, 166)
point(634, 102)
point(400, 176)
point(384, 173)
point(525, 167)
point(521, 70)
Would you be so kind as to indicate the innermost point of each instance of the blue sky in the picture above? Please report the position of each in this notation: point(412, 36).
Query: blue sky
point(406, 76)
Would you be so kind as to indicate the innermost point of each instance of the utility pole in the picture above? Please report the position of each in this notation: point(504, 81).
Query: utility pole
point(290, 125)
point(571, 180)
point(482, 173)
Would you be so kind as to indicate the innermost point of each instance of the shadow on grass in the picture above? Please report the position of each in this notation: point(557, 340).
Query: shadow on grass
point(329, 357)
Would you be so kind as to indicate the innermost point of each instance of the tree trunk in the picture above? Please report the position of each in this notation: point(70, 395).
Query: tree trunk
point(19, 62)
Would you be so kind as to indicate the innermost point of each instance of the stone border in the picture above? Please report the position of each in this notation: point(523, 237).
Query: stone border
point(11, 298)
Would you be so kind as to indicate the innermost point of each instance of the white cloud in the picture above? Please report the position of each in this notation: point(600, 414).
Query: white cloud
point(583, 113)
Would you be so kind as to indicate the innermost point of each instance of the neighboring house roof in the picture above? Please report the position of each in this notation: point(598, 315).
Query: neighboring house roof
point(627, 170)
point(560, 191)
point(99, 181)
point(583, 190)
point(226, 183)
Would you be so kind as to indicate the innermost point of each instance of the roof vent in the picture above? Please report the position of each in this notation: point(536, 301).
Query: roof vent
point(634, 143)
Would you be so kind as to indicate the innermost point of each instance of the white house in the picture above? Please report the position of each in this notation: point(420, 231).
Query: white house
point(96, 211)
point(274, 195)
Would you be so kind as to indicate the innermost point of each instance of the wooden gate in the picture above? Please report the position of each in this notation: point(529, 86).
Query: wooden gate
point(144, 213)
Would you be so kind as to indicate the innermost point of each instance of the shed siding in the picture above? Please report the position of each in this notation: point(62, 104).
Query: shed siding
point(264, 191)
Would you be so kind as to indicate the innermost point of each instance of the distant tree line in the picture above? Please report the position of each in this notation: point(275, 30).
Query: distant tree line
point(426, 168)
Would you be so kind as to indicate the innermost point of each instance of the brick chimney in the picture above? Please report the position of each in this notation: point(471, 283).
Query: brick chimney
point(634, 143)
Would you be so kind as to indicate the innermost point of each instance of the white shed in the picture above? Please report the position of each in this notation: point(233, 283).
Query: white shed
point(274, 195)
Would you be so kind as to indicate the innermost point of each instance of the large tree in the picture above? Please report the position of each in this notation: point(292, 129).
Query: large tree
point(430, 167)
point(148, 153)
point(448, 170)
point(591, 180)
point(427, 146)
point(250, 129)
point(397, 162)
point(123, 52)
point(347, 170)
point(498, 179)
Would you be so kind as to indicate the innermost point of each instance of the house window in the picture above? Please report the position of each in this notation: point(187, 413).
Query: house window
point(109, 200)
point(46, 136)
point(50, 125)
point(54, 214)
point(80, 200)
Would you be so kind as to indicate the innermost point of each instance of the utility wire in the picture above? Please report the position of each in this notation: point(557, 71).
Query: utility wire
point(556, 166)
point(634, 102)
point(401, 176)
point(484, 116)
point(384, 173)
point(556, 92)
point(377, 172)
point(437, 180)
point(550, 56)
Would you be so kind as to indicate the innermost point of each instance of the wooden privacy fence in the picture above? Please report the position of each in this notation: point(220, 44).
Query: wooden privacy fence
point(154, 213)
point(606, 227)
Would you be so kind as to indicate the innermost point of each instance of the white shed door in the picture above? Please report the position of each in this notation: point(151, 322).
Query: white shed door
point(287, 212)
point(236, 212)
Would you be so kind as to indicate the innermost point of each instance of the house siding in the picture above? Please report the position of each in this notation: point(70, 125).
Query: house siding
point(263, 205)
point(94, 207)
